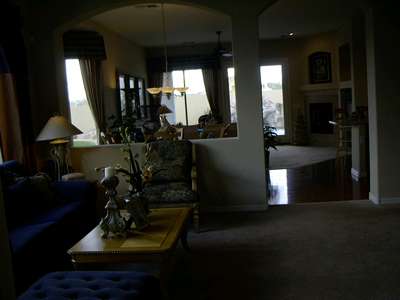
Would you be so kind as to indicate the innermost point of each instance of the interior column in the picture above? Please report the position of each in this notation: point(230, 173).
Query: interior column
point(383, 67)
point(248, 96)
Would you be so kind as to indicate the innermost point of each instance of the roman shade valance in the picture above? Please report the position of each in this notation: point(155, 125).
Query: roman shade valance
point(157, 64)
point(84, 44)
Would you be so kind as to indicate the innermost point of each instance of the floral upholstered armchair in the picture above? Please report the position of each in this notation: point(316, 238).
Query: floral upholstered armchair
point(174, 180)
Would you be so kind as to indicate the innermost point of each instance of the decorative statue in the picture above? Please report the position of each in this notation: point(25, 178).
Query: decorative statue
point(112, 222)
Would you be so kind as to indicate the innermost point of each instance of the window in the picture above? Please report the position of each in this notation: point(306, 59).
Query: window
point(188, 108)
point(272, 96)
point(132, 99)
point(81, 115)
point(232, 94)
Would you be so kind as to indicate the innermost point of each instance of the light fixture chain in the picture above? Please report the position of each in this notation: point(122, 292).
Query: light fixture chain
point(164, 36)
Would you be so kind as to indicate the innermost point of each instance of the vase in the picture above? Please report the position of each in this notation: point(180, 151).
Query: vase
point(137, 212)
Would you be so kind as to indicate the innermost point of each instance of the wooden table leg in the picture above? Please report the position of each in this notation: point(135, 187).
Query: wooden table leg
point(165, 271)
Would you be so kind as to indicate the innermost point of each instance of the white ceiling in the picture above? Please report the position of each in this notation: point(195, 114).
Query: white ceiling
point(188, 25)
point(304, 17)
point(185, 24)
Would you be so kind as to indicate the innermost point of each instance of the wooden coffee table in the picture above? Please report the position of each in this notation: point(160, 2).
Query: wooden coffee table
point(155, 244)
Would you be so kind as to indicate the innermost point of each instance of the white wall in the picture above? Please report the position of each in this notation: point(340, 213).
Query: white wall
point(220, 183)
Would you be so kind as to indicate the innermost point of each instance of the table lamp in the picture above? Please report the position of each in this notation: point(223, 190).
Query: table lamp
point(162, 111)
point(57, 131)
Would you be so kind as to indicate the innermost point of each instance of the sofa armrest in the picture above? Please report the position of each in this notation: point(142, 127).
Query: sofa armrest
point(78, 190)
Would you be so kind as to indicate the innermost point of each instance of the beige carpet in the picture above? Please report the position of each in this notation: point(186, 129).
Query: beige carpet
point(289, 157)
point(337, 250)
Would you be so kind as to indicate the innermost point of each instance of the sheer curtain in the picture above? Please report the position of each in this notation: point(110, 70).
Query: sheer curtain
point(210, 78)
point(93, 83)
point(169, 100)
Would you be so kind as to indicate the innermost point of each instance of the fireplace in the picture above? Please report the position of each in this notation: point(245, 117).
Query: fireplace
point(321, 103)
point(320, 115)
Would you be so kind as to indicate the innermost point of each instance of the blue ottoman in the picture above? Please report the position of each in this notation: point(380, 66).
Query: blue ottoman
point(91, 285)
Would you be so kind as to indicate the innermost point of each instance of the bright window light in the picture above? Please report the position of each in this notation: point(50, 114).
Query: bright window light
point(196, 103)
point(272, 97)
point(81, 115)
point(232, 94)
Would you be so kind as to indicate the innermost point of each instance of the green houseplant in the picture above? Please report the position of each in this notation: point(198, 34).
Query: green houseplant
point(270, 141)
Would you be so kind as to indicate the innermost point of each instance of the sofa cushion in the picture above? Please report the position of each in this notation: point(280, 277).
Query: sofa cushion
point(172, 192)
point(27, 198)
point(19, 203)
point(41, 187)
point(58, 213)
point(23, 236)
point(169, 160)
point(74, 191)
point(95, 285)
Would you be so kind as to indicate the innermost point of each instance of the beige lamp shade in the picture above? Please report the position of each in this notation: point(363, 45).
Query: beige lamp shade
point(57, 127)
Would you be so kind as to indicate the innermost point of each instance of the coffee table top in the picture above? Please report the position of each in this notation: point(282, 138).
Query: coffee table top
point(166, 226)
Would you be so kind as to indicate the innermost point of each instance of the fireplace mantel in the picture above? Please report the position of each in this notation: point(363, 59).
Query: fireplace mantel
point(328, 89)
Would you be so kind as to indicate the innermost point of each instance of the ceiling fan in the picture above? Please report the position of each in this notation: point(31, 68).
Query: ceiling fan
point(221, 51)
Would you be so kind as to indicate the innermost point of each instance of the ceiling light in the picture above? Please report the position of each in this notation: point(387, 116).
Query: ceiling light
point(167, 90)
point(291, 34)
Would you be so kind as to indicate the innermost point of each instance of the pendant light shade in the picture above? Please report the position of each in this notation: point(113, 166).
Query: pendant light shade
point(167, 90)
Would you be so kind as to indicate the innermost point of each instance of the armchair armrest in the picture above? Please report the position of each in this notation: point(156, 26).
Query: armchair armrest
point(193, 175)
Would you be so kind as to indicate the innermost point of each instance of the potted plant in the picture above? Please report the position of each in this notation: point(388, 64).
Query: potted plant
point(269, 142)
point(126, 125)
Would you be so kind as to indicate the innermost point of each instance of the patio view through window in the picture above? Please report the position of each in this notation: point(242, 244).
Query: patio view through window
point(187, 110)
point(81, 115)
point(272, 96)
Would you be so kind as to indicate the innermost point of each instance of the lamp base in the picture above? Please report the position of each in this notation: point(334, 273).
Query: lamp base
point(58, 153)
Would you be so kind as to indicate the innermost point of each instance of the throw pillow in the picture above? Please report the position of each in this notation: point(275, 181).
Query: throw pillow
point(43, 191)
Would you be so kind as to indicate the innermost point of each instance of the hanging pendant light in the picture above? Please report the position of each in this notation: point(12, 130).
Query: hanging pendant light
point(167, 90)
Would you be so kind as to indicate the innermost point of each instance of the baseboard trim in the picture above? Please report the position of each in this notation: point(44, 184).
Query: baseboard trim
point(384, 200)
point(356, 175)
point(235, 208)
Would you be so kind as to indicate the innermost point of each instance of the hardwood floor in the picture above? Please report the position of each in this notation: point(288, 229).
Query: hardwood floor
point(326, 181)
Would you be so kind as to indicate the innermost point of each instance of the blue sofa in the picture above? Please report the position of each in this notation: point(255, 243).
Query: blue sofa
point(44, 221)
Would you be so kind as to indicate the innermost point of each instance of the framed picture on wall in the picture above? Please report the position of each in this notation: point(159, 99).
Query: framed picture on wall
point(320, 67)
